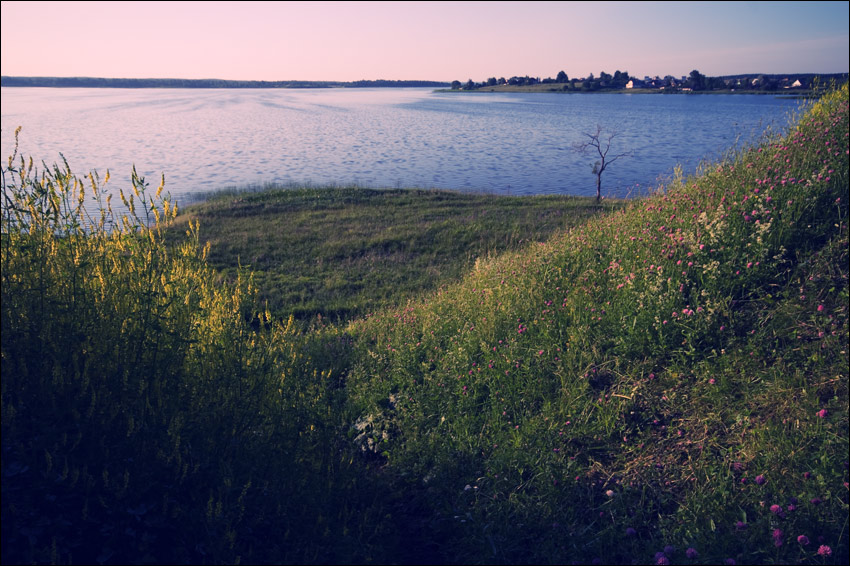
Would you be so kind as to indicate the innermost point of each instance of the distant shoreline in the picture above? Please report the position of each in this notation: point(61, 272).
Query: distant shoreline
point(442, 87)
point(95, 82)
point(548, 89)
point(798, 85)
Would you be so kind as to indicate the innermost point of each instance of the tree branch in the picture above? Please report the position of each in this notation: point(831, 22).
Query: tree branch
point(595, 142)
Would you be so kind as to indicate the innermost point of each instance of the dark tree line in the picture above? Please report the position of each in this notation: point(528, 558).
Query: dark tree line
point(94, 82)
point(696, 82)
point(605, 81)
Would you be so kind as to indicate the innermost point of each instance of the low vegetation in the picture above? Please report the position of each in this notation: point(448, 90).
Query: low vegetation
point(663, 383)
point(342, 252)
point(674, 374)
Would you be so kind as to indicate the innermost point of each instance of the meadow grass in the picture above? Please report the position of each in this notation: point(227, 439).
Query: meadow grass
point(344, 252)
point(663, 383)
point(649, 379)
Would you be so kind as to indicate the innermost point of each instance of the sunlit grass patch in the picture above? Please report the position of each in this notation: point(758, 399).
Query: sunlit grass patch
point(342, 252)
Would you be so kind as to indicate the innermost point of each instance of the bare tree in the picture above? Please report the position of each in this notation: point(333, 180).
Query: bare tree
point(600, 144)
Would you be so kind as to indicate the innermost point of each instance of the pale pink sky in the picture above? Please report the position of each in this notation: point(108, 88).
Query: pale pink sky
point(444, 41)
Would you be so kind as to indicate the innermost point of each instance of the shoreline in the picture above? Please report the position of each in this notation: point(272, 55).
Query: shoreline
point(537, 89)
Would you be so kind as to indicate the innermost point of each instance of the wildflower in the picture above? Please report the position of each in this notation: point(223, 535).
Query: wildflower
point(824, 550)
point(741, 526)
point(691, 553)
point(820, 308)
point(777, 537)
point(669, 549)
point(815, 501)
point(775, 509)
point(630, 532)
point(823, 413)
point(661, 559)
point(803, 539)
point(807, 475)
point(760, 479)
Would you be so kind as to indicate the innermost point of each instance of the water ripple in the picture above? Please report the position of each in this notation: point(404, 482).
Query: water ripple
point(518, 143)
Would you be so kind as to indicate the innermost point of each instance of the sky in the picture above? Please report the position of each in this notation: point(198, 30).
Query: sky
point(439, 41)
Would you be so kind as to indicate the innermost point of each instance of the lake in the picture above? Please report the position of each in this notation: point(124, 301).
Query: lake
point(518, 143)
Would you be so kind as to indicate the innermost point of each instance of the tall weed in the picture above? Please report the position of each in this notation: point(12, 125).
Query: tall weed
point(145, 416)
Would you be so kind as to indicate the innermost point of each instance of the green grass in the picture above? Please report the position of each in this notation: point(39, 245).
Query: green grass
point(666, 382)
point(662, 353)
point(347, 252)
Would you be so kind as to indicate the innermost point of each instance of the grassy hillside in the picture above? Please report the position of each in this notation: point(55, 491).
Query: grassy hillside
point(649, 379)
point(665, 383)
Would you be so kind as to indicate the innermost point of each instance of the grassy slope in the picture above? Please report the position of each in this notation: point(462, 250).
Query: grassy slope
point(337, 252)
point(689, 354)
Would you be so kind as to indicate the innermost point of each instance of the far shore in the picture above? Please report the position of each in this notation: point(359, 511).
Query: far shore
point(558, 89)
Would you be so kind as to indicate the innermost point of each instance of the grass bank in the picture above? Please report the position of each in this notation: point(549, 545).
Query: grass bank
point(667, 382)
point(340, 253)
point(672, 376)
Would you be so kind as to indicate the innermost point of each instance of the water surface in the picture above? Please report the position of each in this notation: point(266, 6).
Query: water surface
point(518, 143)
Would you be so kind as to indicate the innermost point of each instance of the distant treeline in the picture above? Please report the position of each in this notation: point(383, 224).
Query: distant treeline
point(93, 82)
point(696, 81)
